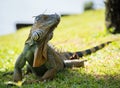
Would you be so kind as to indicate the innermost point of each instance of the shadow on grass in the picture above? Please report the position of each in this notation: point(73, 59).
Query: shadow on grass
point(4, 79)
point(71, 79)
point(78, 79)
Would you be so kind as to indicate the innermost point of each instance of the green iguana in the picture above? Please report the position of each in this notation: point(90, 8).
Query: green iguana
point(43, 60)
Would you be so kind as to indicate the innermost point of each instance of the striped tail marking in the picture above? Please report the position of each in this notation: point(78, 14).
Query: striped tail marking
point(79, 54)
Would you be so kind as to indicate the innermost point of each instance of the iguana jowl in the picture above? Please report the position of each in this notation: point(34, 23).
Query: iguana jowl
point(42, 59)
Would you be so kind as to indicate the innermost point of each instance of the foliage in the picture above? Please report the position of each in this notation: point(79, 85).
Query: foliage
point(88, 5)
point(76, 32)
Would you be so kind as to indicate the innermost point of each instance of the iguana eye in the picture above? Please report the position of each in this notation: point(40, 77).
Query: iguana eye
point(45, 17)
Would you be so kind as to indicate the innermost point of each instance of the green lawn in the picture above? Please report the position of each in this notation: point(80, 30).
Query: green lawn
point(76, 32)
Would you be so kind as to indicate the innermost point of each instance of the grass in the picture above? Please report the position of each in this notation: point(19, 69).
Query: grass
point(76, 32)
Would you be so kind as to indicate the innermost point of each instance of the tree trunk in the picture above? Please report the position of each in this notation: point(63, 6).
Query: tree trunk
point(112, 15)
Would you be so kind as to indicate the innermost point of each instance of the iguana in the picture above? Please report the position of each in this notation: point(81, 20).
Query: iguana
point(43, 60)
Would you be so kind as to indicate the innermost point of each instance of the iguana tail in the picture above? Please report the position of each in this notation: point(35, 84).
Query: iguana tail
point(78, 54)
point(74, 60)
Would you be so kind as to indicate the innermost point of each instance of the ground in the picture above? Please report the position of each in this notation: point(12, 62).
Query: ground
point(76, 32)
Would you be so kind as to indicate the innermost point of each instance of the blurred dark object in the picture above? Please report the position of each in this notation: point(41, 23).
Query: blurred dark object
point(22, 25)
point(88, 5)
point(112, 16)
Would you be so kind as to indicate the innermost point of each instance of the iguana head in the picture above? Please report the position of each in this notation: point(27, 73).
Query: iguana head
point(46, 21)
point(44, 26)
point(41, 33)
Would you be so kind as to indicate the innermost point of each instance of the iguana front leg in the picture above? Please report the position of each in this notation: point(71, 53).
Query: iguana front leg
point(49, 74)
point(17, 76)
point(53, 64)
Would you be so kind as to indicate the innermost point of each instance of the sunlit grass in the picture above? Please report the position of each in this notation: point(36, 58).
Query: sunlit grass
point(76, 32)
